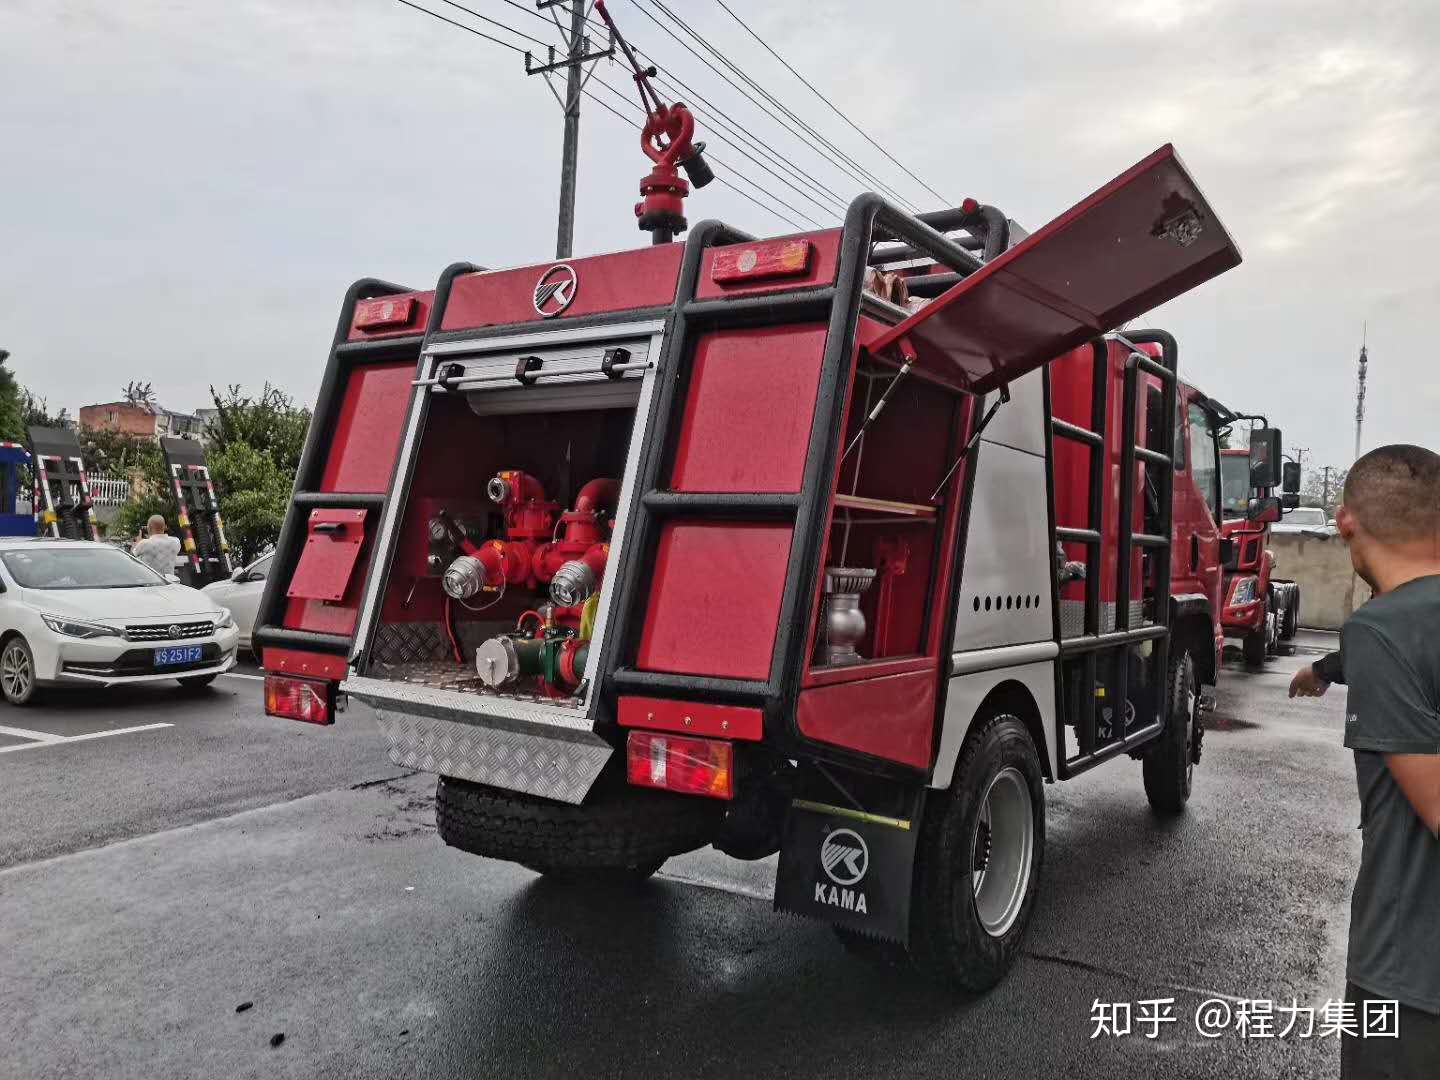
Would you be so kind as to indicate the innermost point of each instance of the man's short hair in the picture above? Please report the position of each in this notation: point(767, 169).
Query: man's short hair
point(1394, 493)
point(156, 523)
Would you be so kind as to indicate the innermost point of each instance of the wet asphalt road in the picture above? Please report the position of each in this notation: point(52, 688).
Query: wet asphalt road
point(152, 882)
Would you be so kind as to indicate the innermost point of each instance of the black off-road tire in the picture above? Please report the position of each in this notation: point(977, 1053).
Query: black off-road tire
point(1168, 763)
point(1290, 624)
point(620, 832)
point(1253, 646)
point(948, 942)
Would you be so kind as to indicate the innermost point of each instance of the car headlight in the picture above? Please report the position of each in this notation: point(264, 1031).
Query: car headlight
point(225, 620)
point(76, 629)
point(1244, 591)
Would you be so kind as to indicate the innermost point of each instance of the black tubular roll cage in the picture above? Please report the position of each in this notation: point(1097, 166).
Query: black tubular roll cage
point(868, 220)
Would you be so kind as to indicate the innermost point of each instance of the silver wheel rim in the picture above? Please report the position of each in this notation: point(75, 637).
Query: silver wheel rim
point(1002, 850)
point(15, 672)
point(1192, 704)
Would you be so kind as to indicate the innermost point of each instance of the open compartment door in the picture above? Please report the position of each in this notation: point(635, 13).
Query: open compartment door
point(1144, 238)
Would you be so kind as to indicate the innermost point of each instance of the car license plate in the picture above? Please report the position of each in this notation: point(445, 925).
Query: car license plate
point(178, 654)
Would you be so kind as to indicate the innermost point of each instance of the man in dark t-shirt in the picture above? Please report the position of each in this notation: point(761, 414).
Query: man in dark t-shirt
point(1390, 659)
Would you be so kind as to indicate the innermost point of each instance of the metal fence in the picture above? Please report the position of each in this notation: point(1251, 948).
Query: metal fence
point(108, 490)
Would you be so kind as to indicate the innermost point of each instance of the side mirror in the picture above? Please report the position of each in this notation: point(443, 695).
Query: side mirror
point(238, 576)
point(1290, 477)
point(172, 579)
point(1265, 458)
point(1289, 500)
point(1264, 510)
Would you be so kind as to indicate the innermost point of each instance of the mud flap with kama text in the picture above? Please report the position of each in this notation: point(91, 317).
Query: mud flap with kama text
point(847, 867)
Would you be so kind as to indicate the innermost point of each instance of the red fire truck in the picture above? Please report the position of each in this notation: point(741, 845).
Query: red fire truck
point(709, 543)
point(1261, 610)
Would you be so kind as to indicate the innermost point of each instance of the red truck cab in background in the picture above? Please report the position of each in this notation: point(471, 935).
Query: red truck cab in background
point(1261, 610)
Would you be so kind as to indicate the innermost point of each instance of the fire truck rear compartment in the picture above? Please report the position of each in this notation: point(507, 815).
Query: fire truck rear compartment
point(523, 477)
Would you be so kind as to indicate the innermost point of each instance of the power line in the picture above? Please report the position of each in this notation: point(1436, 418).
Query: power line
point(462, 26)
point(832, 106)
point(496, 22)
point(846, 163)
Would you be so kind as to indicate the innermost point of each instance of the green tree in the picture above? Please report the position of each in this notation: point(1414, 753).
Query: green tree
point(254, 452)
point(12, 403)
point(139, 460)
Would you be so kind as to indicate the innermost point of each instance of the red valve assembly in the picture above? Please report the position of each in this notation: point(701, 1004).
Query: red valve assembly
point(567, 552)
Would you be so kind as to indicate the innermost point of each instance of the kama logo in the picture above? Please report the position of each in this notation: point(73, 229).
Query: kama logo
point(844, 857)
point(555, 290)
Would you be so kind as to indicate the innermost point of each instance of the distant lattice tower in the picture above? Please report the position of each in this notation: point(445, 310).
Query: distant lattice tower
point(1360, 393)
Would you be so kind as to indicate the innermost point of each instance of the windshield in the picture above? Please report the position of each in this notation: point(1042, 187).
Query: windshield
point(1306, 515)
point(88, 566)
point(1234, 484)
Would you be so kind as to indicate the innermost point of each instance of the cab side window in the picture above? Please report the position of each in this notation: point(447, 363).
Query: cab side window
point(1204, 466)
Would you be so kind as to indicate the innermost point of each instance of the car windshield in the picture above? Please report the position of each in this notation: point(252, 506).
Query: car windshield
point(88, 566)
point(1309, 516)
point(1234, 485)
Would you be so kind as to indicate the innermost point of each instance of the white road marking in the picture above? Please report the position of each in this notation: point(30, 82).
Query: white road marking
point(43, 738)
point(26, 733)
point(242, 675)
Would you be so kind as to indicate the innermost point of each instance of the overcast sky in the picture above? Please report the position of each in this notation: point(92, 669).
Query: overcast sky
point(188, 187)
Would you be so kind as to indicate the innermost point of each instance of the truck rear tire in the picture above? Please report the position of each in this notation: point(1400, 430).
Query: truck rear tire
point(981, 846)
point(1291, 621)
point(619, 833)
point(1253, 645)
point(1168, 764)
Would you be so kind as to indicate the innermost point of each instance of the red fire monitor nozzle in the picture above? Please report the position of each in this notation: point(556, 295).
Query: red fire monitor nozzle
point(668, 140)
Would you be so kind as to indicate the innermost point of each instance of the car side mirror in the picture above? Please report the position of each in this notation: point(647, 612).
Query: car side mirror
point(1264, 510)
point(172, 579)
point(1265, 458)
point(239, 576)
point(1289, 500)
point(1290, 477)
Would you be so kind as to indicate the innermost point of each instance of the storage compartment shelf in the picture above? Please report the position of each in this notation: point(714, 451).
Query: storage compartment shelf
point(886, 506)
point(448, 675)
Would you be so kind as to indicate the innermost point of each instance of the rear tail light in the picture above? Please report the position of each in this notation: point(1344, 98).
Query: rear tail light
point(677, 763)
point(310, 700)
point(755, 262)
point(384, 312)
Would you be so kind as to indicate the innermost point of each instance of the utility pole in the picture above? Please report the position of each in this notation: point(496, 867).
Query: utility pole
point(577, 55)
point(1360, 387)
point(1325, 491)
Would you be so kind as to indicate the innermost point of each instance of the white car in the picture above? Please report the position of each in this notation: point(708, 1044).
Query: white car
point(1305, 521)
point(73, 611)
point(240, 595)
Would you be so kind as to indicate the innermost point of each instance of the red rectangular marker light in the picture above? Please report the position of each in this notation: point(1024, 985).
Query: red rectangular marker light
point(756, 262)
point(384, 312)
point(310, 700)
point(681, 764)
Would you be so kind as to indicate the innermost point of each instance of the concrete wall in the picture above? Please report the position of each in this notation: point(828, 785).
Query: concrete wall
point(1329, 590)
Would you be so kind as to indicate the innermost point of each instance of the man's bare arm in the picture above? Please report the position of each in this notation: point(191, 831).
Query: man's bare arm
point(1419, 778)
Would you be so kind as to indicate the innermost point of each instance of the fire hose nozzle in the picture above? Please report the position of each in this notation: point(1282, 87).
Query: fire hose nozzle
point(574, 583)
point(464, 578)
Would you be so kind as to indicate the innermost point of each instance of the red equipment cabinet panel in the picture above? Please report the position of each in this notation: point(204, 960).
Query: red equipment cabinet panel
point(691, 718)
point(1142, 239)
point(715, 599)
point(362, 452)
point(390, 316)
point(625, 280)
point(332, 547)
point(890, 717)
point(748, 410)
point(299, 662)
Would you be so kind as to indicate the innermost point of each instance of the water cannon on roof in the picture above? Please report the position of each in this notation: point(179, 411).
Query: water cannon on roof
point(668, 140)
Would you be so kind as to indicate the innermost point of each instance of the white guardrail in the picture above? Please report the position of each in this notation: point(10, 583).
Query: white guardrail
point(108, 490)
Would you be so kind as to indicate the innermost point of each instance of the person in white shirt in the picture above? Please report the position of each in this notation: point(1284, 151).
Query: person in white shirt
point(159, 549)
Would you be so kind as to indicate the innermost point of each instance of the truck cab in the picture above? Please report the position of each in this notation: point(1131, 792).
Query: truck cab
point(1261, 609)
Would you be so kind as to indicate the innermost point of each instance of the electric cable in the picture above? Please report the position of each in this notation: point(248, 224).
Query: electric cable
point(832, 106)
point(462, 26)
